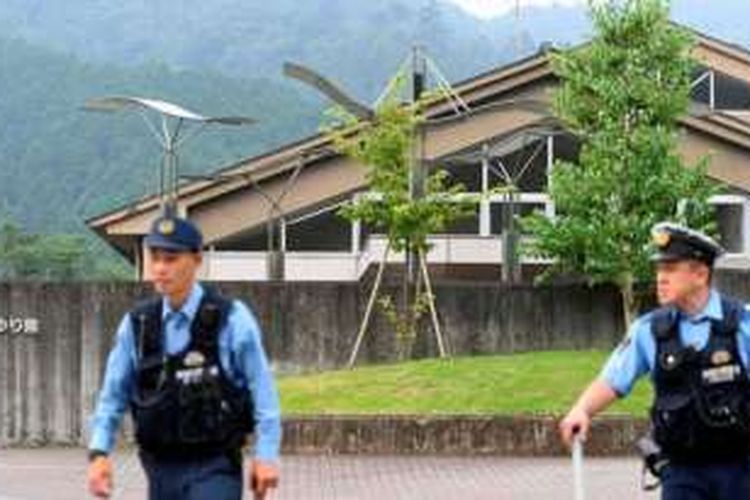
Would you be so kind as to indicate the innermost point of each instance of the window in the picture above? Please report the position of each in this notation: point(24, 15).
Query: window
point(254, 240)
point(467, 173)
point(566, 147)
point(731, 215)
point(324, 231)
point(728, 92)
point(499, 212)
point(701, 91)
point(526, 167)
point(465, 225)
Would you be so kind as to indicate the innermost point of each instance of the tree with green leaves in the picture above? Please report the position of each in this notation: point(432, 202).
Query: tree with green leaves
point(621, 95)
point(386, 147)
point(26, 256)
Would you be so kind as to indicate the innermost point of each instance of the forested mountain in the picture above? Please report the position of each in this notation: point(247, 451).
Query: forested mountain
point(222, 56)
point(355, 41)
point(219, 57)
point(59, 165)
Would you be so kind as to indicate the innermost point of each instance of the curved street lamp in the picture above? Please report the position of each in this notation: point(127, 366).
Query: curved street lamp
point(168, 136)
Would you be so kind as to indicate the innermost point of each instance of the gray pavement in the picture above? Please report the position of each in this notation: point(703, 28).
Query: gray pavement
point(59, 474)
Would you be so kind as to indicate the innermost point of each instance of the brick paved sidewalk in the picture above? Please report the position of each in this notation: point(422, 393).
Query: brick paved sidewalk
point(59, 474)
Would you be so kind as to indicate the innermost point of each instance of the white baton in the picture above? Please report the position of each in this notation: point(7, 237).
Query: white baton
point(126, 473)
point(577, 453)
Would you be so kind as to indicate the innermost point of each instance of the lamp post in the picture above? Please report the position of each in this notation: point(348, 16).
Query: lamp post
point(171, 132)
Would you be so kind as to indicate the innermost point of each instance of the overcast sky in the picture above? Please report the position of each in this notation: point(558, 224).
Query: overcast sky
point(491, 8)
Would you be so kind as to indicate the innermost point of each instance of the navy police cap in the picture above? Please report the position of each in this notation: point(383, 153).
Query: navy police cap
point(675, 242)
point(175, 234)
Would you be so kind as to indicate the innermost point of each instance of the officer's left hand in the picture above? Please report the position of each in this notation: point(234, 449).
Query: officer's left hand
point(263, 477)
point(100, 477)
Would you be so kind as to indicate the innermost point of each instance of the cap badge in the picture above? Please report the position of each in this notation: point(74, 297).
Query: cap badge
point(721, 357)
point(166, 226)
point(194, 358)
point(661, 238)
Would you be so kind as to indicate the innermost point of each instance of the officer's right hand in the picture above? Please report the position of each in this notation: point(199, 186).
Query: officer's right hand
point(575, 423)
point(100, 477)
point(264, 476)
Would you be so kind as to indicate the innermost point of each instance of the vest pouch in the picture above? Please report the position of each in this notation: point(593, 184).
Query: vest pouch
point(674, 423)
point(723, 415)
point(200, 412)
point(717, 409)
point(154, 420)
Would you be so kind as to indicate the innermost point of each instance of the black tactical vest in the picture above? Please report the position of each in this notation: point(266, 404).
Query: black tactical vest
point(701, 410)
point(184, 405)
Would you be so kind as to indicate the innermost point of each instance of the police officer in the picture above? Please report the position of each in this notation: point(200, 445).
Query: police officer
point(696, 347)
point(190, 366)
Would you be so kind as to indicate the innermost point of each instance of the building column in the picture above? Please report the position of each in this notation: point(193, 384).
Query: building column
point(282, 234)
point(146, 261)
point(485, 212)
point(356, 236)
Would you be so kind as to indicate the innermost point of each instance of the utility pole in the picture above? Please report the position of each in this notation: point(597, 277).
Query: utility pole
point(416, 167)
point(511, 271)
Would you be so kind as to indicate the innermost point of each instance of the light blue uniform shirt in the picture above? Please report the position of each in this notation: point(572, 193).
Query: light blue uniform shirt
point(242, 357)
point(636, 355)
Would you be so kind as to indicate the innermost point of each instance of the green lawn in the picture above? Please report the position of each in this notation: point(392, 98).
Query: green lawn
point(543, 382)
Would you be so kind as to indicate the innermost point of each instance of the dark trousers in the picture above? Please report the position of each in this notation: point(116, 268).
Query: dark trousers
point(218, 477)
point(730, 481)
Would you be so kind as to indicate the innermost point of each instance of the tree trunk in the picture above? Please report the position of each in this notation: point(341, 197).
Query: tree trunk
point(629, 303)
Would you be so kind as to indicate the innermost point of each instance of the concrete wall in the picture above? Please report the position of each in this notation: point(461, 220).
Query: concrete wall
point(503, 435)
point(49, 379)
